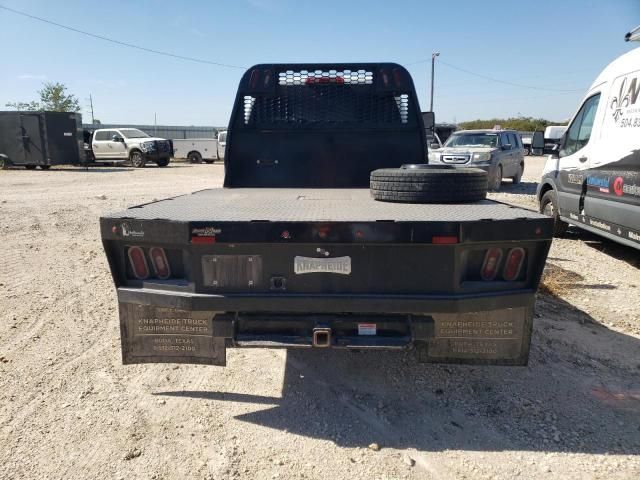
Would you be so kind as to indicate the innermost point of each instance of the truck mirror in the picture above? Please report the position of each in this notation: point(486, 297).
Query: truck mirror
point(537, 140)
point(117, 138)
point(434, 145)
point(429, 119)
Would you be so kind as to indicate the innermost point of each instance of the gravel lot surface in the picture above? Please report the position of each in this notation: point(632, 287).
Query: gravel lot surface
point(69, 409)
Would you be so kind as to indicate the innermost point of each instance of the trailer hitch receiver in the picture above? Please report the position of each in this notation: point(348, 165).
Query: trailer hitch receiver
point(321, 337)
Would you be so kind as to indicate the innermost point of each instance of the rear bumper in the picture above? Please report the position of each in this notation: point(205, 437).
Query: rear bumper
point(159, 327)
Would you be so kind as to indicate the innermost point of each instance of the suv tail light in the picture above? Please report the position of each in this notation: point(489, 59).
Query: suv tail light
point(491, 264)
point(513, 264)
point(160, 263)
point(138, 263)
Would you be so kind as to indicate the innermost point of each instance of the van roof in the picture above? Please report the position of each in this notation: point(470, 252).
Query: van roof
point(625, 63)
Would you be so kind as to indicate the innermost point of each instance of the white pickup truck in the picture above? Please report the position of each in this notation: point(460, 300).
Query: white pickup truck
point(130, 144)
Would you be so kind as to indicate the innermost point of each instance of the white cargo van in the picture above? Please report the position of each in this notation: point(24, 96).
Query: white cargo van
point(593, 181)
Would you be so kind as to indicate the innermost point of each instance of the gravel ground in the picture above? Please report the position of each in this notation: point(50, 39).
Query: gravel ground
point(69, 409)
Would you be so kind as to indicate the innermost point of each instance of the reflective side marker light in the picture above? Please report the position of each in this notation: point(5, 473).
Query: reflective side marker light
point(444, 239)
point(138, 263)
point(491, 263)
point(513, 265)
point(159, 262)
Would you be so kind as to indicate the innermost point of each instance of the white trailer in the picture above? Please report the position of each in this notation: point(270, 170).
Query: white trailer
point(196, 150)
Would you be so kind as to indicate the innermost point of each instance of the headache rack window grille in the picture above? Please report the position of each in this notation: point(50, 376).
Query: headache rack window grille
point(305, 77)
point(320, 105)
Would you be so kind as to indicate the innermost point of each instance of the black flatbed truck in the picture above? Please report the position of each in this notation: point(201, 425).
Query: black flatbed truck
point(294, 251)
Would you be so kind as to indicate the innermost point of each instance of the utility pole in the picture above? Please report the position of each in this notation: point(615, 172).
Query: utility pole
point(91, 103)
point(155, 124)
point(433, 64)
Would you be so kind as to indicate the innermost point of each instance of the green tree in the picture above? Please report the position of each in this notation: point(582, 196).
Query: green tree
point(523, 124)
point(53, 97)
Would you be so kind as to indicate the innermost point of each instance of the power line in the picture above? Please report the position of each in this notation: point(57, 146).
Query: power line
point(506, 82)
point(118, 42)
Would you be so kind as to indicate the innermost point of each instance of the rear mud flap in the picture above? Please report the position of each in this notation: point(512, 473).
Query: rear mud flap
point(498, 337)
point(165, 335)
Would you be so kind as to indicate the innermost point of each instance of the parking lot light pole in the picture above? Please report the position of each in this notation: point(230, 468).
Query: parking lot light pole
point(433, 63)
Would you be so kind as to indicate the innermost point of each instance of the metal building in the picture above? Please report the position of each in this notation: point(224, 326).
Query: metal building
point(163, 131)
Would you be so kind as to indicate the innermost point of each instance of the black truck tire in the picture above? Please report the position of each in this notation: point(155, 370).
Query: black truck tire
point(163, 162)
point(45, 167)
point(429, 185)
point(4, 162)
point(194, 157)
point(30, 167)
point(137, 159)
point(549, 207)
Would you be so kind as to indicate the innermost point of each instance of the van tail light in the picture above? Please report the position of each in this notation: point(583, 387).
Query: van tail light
point(138, 263)
point(159, 262)
point(513, 264)
point(491, 264)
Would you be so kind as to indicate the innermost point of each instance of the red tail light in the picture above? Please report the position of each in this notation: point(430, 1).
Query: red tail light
point(444, 239)
point(324, 80)
point(513, 265)
point(253, 80)
point(491, 264)
point(138, 263)
point(160, 263)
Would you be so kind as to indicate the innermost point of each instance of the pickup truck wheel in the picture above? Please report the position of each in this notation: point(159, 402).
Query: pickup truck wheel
point(527, 152)
point(195, 157)
point(496, 179)
point(429, 185)
point(137, 160)
point(30, 167)
point(518, 176)
point(163, 162)
point(549, 207)
point(4, 163)
point(45, 167)
point(208, 161)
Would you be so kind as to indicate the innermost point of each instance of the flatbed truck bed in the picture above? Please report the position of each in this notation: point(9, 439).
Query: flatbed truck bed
point(295, 251)
point(313, 205)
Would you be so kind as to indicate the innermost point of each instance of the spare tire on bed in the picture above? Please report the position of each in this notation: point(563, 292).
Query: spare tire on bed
point(429, 184)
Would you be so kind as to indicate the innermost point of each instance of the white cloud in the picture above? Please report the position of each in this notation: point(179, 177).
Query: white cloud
point(31, 76)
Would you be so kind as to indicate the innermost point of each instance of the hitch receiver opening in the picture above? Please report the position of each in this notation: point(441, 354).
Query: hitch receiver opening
point(321, 337)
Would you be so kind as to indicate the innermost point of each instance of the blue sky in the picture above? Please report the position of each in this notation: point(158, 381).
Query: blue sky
point(551, 45)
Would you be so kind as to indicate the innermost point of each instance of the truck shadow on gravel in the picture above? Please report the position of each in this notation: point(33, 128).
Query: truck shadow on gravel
point(522, 188)
point(609, 247)
point(575, 395)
